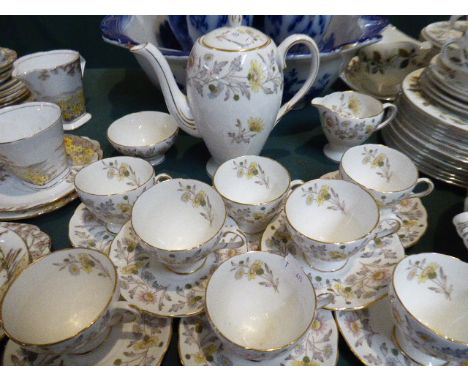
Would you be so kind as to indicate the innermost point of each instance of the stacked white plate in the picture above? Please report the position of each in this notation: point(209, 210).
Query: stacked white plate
point(12, 90)
point(433, 136)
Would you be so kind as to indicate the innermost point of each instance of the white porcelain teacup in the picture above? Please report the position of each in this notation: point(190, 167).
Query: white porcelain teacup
point(64, 303)
point(254, 189)
point(31, 143)
point(110, 187)
point(146, 134)
point(349, 118)
point(179, 222)
point(56, 76)
point(460, 221)
point(389, 175)
point(331, 220)
point(429, 299)
point(261, 304)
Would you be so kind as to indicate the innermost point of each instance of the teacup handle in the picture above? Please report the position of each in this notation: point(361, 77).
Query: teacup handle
point(295, 183)
point(283, 48)
point(82, 64)
point(162, 177)
point(118, 310)
point(323, 299)
point(236, 244)
point(394, 228)
point(390, 115)
point(430, 188)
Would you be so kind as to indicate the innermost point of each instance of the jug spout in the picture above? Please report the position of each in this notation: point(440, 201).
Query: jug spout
point(155, 64)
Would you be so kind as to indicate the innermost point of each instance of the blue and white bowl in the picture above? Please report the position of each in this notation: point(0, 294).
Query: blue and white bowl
point(339, 39)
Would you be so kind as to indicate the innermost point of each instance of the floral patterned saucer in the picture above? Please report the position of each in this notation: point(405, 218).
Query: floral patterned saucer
point(157, 290)
point(142, 342)
point(362, 281)
point(369, 335)
point(37, 242)
point(412, 213)
point(87, 231)
point(199, 345)
point(20, 201)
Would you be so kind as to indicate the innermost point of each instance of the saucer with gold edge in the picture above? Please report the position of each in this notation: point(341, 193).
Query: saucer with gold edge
point(142, 342)
point(87, 231)
point(412, 213)
point(362, 281)
point(157, 290)
point(199, 345)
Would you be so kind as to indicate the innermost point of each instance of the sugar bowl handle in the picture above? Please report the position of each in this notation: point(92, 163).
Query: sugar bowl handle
point(392, 111)
point(283, 48)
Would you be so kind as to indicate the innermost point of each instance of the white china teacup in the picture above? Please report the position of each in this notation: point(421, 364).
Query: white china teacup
point(31, 143)
point(147, 134)
point(349, 118)
point(429, 300)
point(460, 221)
point(254, 189)
point(64, 303)
point(110, 187)
point(331, 220)
point(389, 175)
point(260, 304)
point(179, 222)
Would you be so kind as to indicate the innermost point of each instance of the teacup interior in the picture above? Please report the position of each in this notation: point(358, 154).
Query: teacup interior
point(251, 179)
point(113, 175)
point(23, 121)
point(379, 168)
point(332, 211)
point(352, 104)
point(257, 302)
point(178, 214)
point(142, 129)
point(45, 60)
point(433, 288)
point(56, 297)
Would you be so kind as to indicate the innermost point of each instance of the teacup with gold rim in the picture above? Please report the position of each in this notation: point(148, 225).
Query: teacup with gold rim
point(110, 187)
point(179, 222)
point(64, 303)
point(253, 189)
point(389, 175)
point(31, 143)
point(332, 220)
point(260, 304)
point(429, 300)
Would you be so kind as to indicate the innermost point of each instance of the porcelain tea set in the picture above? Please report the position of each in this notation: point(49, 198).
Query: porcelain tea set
point(233, 260)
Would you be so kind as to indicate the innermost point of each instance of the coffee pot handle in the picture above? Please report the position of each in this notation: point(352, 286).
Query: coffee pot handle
point(283, 48)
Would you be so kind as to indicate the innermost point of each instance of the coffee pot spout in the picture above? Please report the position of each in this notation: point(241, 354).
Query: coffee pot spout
point(152, 60)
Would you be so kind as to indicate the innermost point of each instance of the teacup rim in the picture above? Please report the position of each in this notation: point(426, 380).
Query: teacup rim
point(341, 167)
point(152, 175)
point(258, 203)
point(332, 242)
point(112, 125)
point(30, 56)
point(366, 96)
point(183, 249)
point(432, 330)
point(218, 331)
point(32, 104)
point(89, 325)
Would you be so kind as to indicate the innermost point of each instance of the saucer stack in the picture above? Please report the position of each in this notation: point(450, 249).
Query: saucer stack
point(431, 126)
point(12, 90)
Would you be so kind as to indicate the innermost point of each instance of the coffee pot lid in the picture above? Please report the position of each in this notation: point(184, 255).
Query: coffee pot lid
point(235, 37)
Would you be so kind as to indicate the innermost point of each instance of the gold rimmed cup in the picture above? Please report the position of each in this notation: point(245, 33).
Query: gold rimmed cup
point(253, 189)
point(331, 220)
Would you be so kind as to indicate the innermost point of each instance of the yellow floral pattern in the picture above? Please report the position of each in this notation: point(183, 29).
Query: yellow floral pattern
point(122, 171)
point(323, 195)
point(256, 76)
point(257, 270)
point(83, 262)
point(431, 273)
point(198, 198)
point(378, 161)
point(72, 106)
point(252, 170)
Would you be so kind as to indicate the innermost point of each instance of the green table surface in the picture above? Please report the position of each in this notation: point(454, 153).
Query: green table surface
point(296, 142)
